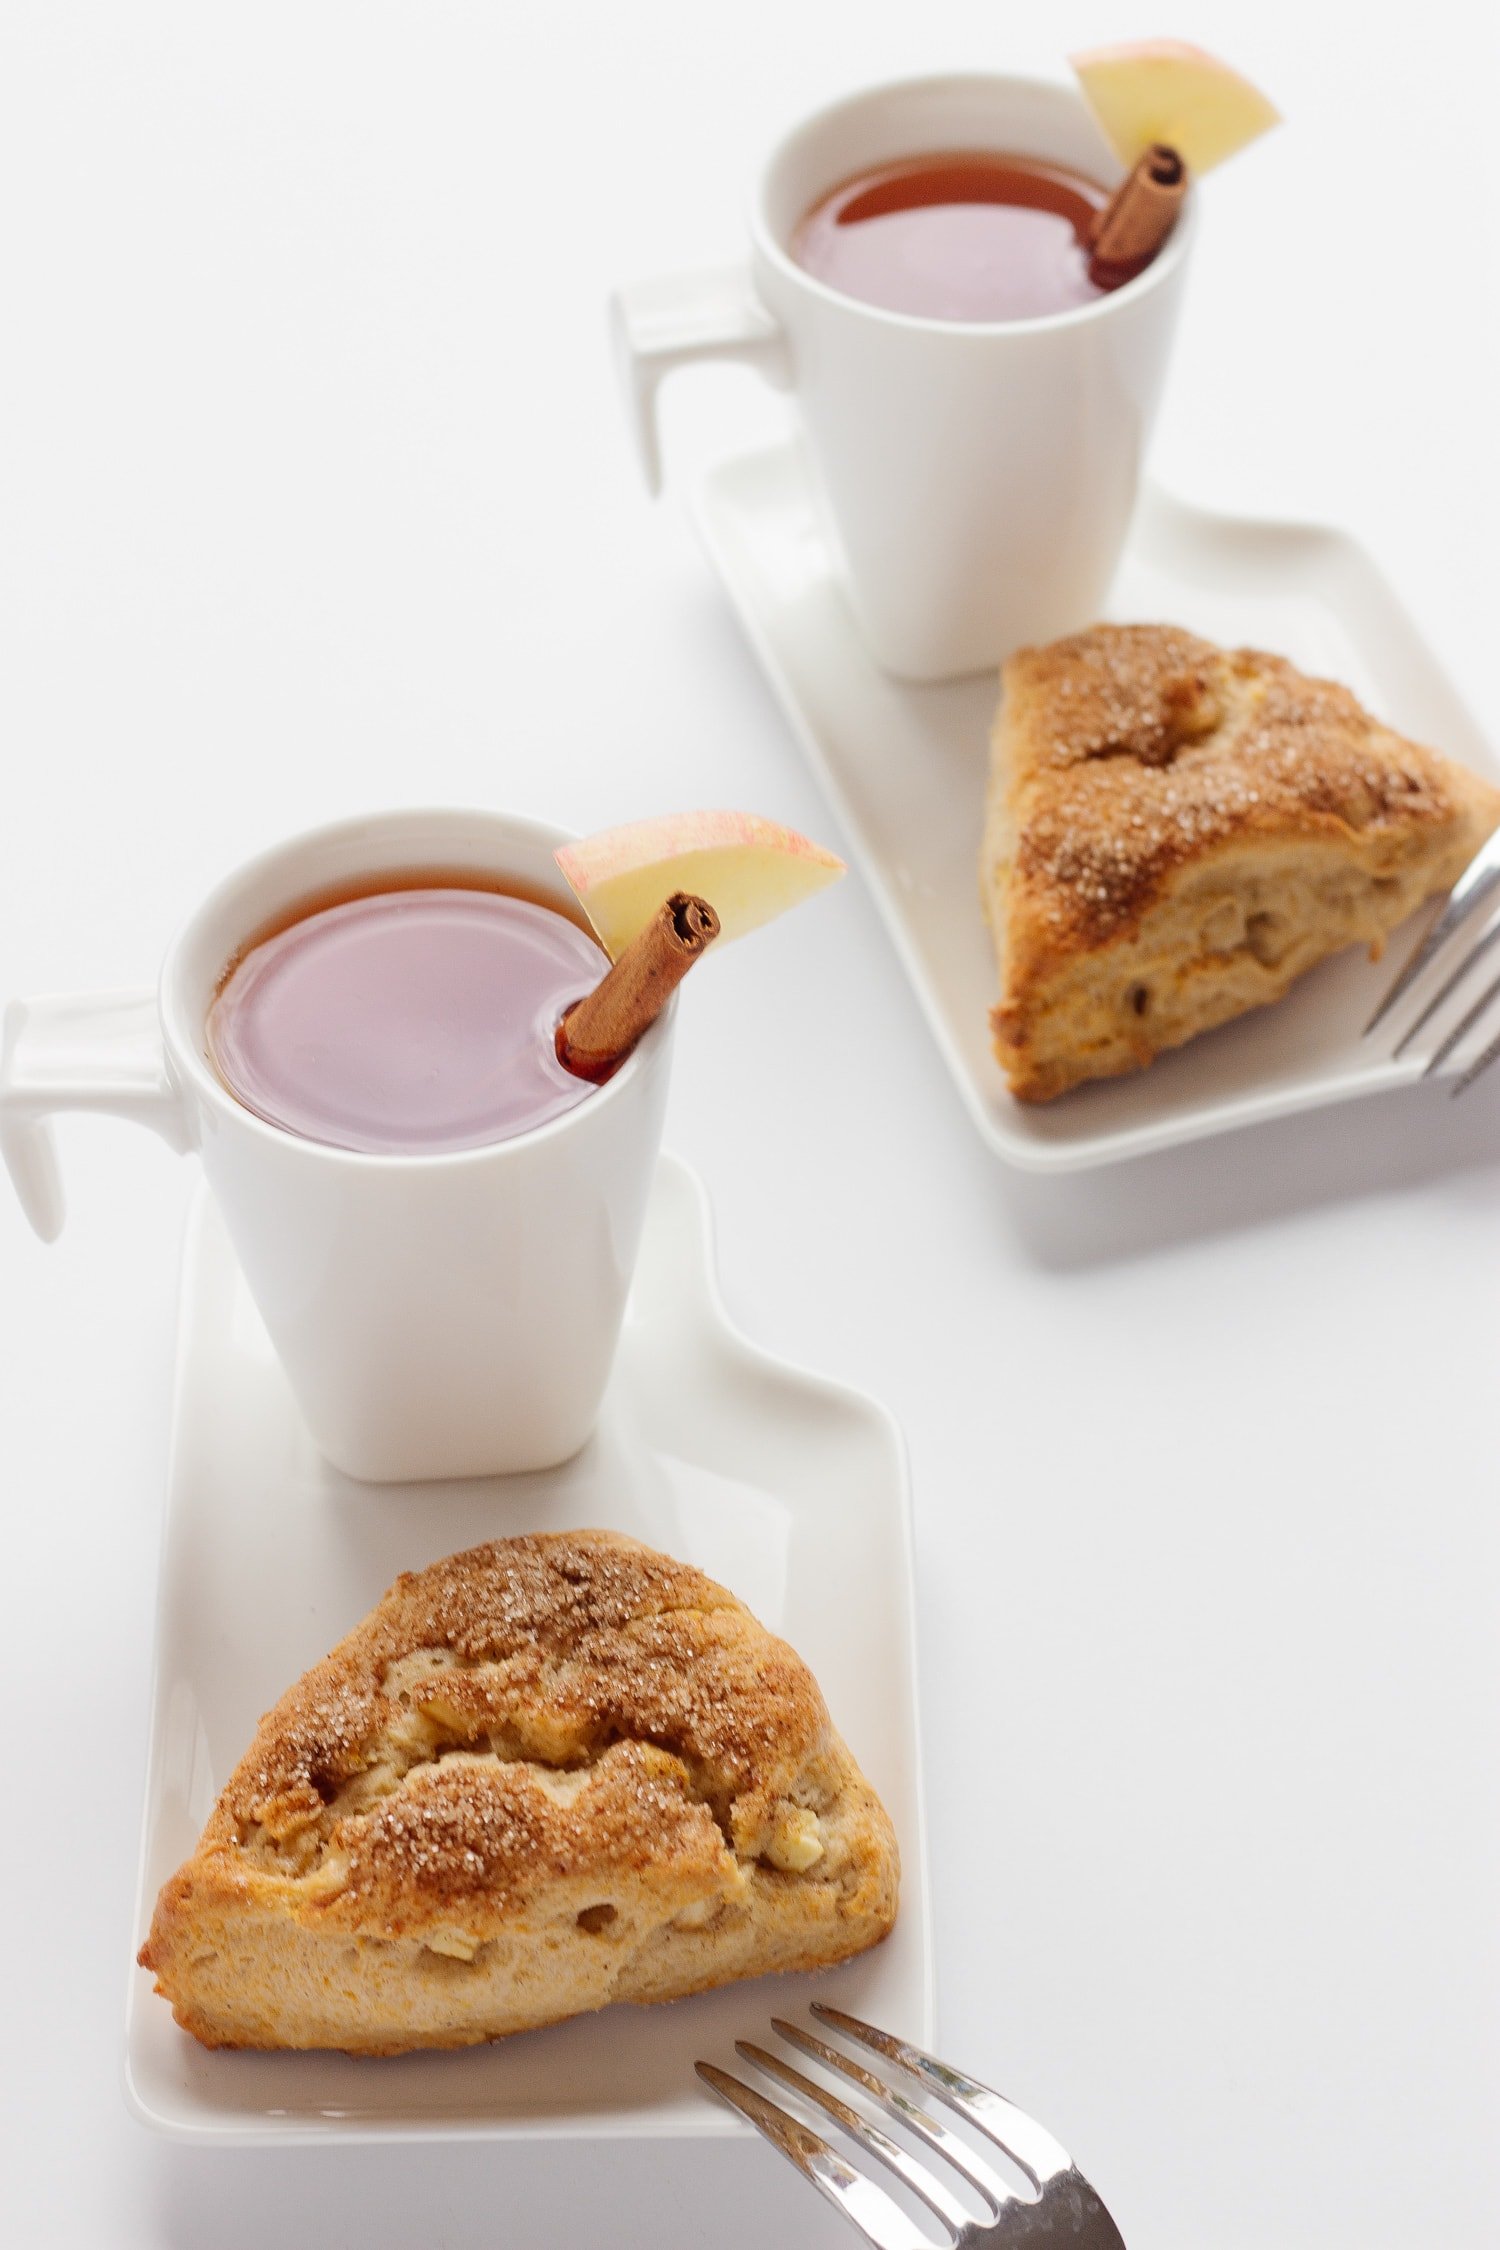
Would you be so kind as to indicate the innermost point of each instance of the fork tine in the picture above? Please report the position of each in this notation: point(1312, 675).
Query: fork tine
point(867, 2206)
point(1470, 960)
point(869, 2137)
point(938, 2136)
point(1465, 1024)
point(1478, 1067)
point(1027, 2143)
point(1477, 881)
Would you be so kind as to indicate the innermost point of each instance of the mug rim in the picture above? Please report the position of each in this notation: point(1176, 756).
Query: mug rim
point(763, 238)
point(190, 1064)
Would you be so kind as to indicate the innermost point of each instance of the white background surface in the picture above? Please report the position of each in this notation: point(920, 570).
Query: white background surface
point(313, 496)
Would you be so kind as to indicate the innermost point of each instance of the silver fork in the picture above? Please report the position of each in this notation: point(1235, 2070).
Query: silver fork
point(1474, 892)
point(1062, 2208)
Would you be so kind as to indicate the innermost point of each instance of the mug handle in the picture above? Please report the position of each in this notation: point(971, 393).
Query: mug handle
point(98, 1051)
point(660, 325)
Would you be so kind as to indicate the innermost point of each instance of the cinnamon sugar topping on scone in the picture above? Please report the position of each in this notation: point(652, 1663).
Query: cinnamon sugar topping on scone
point(1176, 831)
point(574, 1765)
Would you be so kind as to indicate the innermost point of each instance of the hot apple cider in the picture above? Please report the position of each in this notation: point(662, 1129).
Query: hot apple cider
point(966, 234)
point(409, 1020)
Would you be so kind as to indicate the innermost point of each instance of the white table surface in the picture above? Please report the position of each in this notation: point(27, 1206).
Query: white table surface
point(314, 496)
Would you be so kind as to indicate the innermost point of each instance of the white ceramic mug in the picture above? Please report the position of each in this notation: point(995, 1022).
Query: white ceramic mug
point(976, 479)
point(437, 1316)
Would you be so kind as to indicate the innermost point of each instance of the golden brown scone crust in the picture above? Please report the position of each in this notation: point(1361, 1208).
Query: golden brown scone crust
point(542, 1775)
point(1176, 831)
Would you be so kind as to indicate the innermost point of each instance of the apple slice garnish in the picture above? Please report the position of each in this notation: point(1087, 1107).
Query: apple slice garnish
point(1165, 90)
point(748, 869)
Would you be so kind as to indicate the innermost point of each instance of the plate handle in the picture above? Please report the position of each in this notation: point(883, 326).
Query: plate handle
point(658, 326)
point(97, 1051)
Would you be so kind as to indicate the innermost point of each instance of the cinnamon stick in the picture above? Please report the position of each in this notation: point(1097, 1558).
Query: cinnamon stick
point(1138, 217)
point(598, 1032)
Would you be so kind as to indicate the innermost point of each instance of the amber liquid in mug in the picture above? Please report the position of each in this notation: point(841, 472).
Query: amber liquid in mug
point(410, 1019)
point(961, 235)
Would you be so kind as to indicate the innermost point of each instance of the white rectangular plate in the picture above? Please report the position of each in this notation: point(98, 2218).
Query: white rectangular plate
point(790, 1490)
point(906, 767)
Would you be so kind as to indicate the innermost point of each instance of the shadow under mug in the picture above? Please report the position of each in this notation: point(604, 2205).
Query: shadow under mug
point(975, 479)
point(437, 1316)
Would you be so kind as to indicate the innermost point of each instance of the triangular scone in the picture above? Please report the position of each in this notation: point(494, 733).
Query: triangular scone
point(541, 1776)
point(1176, 831)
